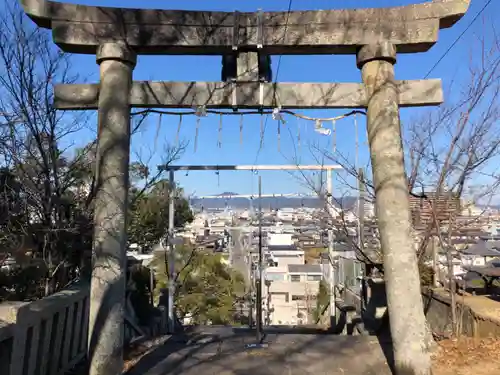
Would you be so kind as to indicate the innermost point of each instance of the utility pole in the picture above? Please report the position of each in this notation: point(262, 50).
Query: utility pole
point(260, 266)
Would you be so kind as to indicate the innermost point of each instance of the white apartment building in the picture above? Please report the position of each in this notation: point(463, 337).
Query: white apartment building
point(285, 214)
point(291, 293)
point(291, 287)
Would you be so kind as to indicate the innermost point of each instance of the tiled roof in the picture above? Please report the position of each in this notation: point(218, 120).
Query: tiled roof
point(481, 248)
point(282, 247)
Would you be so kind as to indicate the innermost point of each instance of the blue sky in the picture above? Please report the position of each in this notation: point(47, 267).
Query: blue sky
point(292, 68)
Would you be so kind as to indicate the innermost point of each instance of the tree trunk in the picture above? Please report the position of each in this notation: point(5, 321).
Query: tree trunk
point(404, 300)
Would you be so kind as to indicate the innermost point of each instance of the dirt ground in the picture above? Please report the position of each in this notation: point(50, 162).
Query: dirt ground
point(467, 356)
point(463, 356)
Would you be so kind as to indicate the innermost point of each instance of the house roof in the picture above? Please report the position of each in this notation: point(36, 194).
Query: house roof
point(282, 247)
point(493, 245)
point(304, 268)
point(481, 248)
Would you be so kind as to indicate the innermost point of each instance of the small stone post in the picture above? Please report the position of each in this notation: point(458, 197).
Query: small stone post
point(407, 319)
point(107, 293)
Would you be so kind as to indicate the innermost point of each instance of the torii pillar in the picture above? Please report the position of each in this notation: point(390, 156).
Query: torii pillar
point(376, 62)
point(107, 291)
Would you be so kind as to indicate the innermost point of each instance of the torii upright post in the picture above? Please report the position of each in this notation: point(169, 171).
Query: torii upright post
point(401, 273)
point(107, 290)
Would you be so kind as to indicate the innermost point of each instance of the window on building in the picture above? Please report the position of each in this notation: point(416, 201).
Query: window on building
point(275, 276)
point(298, 298)
point(313, 277)
point(295, 278)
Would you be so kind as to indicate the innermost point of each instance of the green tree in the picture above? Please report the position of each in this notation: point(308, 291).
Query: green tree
point(148, 219)
point(207, 289)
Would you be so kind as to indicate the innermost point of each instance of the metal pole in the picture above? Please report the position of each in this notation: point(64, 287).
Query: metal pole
point(307, 167)
point(329, 207)
point(361, 209)
point(259, 278)
point(252, 287)
point(171, 253)
point(356, 137)
point(361, 232)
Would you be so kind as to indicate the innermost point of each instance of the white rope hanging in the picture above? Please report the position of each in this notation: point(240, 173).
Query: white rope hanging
point(298, 134)
point(197, 131)
point(200, 112)
point(177, 135)
point(277, 114)
point(334, 140)
point(318, 128)
point(158, 125)
point(241, 130)
point(261, 130)
point(219, 140)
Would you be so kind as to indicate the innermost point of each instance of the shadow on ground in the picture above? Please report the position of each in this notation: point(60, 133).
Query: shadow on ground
point(222, 350)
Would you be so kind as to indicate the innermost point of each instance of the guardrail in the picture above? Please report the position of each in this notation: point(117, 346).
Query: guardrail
point(49, 336)
point(44, 337)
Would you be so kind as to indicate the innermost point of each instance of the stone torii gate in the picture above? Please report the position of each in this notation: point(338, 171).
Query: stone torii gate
point(245, 41)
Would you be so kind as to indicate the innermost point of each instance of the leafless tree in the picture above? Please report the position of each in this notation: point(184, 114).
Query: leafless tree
point(450, 155)
point(31, 136)
point(44, 174)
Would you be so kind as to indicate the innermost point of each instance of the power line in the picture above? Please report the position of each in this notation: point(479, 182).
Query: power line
point(276, 78)
point(488, 2)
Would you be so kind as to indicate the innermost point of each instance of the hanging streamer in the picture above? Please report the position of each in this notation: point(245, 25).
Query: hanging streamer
point(241, 129)
point(277, 115)
point(318, 128)
point(178, 130)
point(334, 141)
point(196, 134)
point(261, 130)
point(158, 129)
point(279, 136)
point(200, 112)
point(298, 133)
point(219, 141)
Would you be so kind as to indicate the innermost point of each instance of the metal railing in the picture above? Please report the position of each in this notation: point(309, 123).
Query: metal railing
point(349, 273)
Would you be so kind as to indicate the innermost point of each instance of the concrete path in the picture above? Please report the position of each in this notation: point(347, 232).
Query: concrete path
point(288, 354)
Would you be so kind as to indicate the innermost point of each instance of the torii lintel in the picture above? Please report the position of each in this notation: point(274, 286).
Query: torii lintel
point(80, 28)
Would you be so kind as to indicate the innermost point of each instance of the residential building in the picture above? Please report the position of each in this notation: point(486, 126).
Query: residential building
point(479, 255)
point(443, 205)
point(291, 293)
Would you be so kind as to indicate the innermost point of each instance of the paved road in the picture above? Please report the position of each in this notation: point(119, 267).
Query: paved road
point(239, 254)
point(290, 354)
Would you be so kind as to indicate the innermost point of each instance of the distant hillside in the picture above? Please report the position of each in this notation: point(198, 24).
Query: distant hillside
point(226, 193)
point(267, 202)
